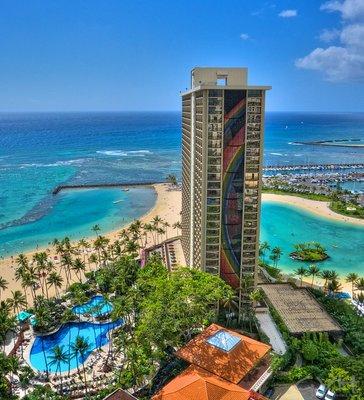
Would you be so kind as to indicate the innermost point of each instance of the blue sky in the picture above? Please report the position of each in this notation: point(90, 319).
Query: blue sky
point(137, 55)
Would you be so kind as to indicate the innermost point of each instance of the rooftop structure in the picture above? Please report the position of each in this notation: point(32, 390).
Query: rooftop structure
point(170, 251)
point(222, 136)
point(299, 310)
point(120, 394)
point(197, 383)
point(225, 353)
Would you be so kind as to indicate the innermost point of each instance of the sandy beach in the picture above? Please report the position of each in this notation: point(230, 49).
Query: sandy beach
point(320, 208)
point(167, 206)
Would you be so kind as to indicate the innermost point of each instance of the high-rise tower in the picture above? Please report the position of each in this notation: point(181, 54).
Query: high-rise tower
point(222, 138)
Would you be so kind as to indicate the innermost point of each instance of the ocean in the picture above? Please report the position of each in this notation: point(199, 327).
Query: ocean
point(39, 151)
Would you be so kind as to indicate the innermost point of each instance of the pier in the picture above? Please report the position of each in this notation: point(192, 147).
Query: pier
point(60, 188)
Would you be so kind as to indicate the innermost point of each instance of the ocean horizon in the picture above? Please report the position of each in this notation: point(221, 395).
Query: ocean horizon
point(39, 151)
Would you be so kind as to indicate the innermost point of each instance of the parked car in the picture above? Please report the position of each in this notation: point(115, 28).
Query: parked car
point(330, 395)
point(321, 391)
point(269, 393)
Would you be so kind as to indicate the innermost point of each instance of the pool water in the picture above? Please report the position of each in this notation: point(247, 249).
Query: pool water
point(96, 306)
point(95, 334)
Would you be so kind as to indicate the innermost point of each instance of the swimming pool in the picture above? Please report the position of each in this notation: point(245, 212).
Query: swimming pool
point(95, 334)
point(96, 306)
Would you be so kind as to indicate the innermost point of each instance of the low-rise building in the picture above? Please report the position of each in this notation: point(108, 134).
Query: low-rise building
point(223, 365)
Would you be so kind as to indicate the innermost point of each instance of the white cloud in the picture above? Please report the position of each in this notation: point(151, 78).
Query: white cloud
point(349, 9)
point(345, 61)
point(244, 36)
point(328, 35)
point(353, 36)
point(288, 13)
point(337, 63)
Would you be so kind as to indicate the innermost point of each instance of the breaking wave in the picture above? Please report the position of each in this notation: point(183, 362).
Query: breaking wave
point(122, 153)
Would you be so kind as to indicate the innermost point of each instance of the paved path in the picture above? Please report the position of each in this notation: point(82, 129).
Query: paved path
point(268, 326)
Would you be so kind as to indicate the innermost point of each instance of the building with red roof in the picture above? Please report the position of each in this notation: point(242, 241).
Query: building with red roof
point(225, 365)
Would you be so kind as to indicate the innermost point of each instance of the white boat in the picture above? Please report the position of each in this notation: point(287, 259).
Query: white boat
point(117, 201)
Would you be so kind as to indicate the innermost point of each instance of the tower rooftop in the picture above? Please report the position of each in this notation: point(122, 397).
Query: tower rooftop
point(221, 78)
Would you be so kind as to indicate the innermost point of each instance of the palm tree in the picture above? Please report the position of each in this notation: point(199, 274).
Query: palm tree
point(17, 300)
point(66, 264)
point(313, 270)
point(93, 259)
point(263, 247)
point(55, 279)
point(22, 261)
point(3, 285)
point(171, 179)
point(166, 226)
point(326, 275)
point(178, 226)
point(255, 296)
point(352, 278)
point(334, 286)
point(360, 284)
point(79, 348)
point(41, 264)
point(301, 272)
point(58, 357)
point(12, 365)
point(96, 228)
point(229, 302)
point(84, 245)
point(78, 266)
point(276, 255)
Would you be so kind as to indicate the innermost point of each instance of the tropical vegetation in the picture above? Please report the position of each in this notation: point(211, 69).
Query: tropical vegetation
point(312, 251)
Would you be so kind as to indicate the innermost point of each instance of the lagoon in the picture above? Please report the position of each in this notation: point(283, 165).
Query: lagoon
point(72, 213)
point(285, 225)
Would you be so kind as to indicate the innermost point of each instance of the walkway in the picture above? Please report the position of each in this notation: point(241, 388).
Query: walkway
point(268, 326)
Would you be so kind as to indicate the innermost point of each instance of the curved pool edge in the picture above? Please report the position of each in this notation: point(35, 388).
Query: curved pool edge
point(27, 351)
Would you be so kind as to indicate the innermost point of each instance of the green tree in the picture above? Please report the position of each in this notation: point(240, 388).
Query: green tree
point(326, 275)
point(352, 278)
point(301, 272)
point(58, 356)
point(171, 179)
point(313, 270)
point(96, 229)
point(309, 350)
point(263, 248)
point(339, 381)
point(3, 285)
point(79, 348)
point(17, 301)
point(55, 279)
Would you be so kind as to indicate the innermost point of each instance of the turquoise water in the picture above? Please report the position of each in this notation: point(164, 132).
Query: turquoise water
point(95, 334)
point(39, 151)
point(285, 225)
point(74, 213)
point(96, 306)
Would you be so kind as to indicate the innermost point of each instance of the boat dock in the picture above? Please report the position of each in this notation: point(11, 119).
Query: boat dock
point(312, 167)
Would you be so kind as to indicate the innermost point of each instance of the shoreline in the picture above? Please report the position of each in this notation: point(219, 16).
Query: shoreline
point(167, 206)
point(320, 208)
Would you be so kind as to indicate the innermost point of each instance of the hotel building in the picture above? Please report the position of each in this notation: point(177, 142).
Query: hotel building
point(222, 139)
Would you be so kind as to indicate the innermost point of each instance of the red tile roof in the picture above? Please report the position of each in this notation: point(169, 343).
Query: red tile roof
point(120, 394)
point(198, 384)
point(231, 365)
